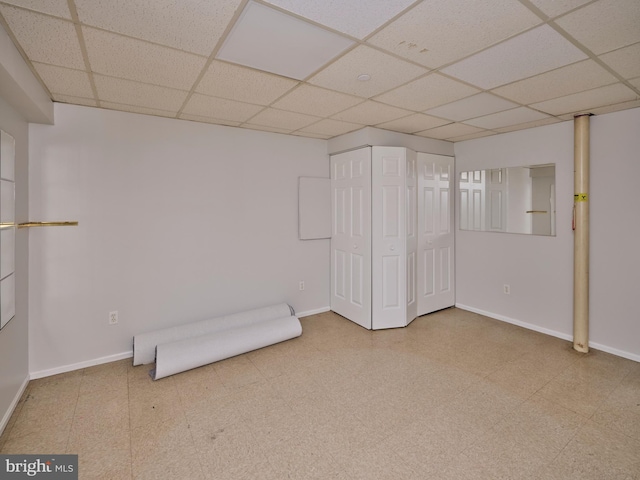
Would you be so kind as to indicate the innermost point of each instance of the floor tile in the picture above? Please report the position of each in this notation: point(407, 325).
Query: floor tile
point(106, 378)
point(621, 409)
point(584, 385)
point(152, 401)
point(541, 425)
point(424, 450)
point(596, 453)
point(238, 372)
point(102, 455)
point(165, 450)
point(300, 457)
point(226, 450)
point(199, 384)
point(49, 440)
point(374, 462)
point(501, 457)
point(453, 396)
point(45, 412)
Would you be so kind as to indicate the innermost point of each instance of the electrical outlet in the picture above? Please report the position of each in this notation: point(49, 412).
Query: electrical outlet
point(113, 318)
point(301, 285)
point(507, 289)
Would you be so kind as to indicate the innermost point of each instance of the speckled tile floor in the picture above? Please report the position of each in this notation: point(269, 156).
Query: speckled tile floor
point(453, 396)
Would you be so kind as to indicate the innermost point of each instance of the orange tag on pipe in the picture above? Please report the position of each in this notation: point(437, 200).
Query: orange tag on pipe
point(581, 197)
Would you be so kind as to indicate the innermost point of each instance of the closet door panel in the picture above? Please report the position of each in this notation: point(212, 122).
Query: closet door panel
point(388, 226)
point(435, 233)
point(411, 222)
point(351, 235)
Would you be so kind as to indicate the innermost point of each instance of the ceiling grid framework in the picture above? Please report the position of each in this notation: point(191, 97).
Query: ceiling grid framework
point(445, 69)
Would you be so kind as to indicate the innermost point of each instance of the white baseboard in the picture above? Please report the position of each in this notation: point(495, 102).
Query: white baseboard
point(615, 351)
point(14, 403)
point(313, 312)
point(547, 331)
point(78, 366)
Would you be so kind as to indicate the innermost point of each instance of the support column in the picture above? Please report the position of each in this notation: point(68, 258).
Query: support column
point(581, 234)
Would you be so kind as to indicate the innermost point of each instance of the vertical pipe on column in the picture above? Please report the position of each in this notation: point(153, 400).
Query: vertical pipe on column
point(581, 234)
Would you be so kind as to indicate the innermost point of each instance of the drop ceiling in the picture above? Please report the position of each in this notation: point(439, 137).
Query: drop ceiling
point(444, 69)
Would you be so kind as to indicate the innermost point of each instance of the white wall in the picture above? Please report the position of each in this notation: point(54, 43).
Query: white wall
point(615, 230)
point(179, 221)
point(540, 269)
point(14, 359)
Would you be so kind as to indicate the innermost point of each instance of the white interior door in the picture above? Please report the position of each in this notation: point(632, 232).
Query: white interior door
point(351, 235)
point(388, 231)
point(435, 233)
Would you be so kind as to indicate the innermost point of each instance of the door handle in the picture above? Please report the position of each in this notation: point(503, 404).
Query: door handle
point(392, 248)
point(355, 246)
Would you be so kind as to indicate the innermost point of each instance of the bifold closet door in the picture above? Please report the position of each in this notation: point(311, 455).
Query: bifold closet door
point(435, 233)
point(351, 235)
point(393, 231)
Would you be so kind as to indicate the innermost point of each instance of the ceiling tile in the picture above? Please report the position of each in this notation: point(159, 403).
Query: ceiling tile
point(146, 55)
point(585, 101)
point(625, 61)
point(553, 8)
point(65, 81)
point(221, 108)
point(427, 92)
point(556, 83)
point(371, 113)
point(193, 26)
point(450, 131)
point(57, 8)
point(413, 123)
point(117, 56)
point(471, 107)
point(604, 25)
point(35, 32)
point(357, 18)
point(215, 121)
point(142, 110)
point(531, 53)
point(243, 84)
point(451, 29)
point(280, 119)
point(270, 40)
point(386, 72)
point(515, 116)
point(87, 102)
point(331, 127)
point(316, 101)
point(118, 90)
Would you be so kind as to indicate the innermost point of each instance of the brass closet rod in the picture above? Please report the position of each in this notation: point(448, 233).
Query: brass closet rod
point(47, 224)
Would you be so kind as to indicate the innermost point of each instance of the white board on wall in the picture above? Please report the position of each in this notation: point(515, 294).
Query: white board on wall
point(314, 208)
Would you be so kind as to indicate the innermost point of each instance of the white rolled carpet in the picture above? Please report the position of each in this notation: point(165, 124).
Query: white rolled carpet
point(182, 355)
point(144, 345)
